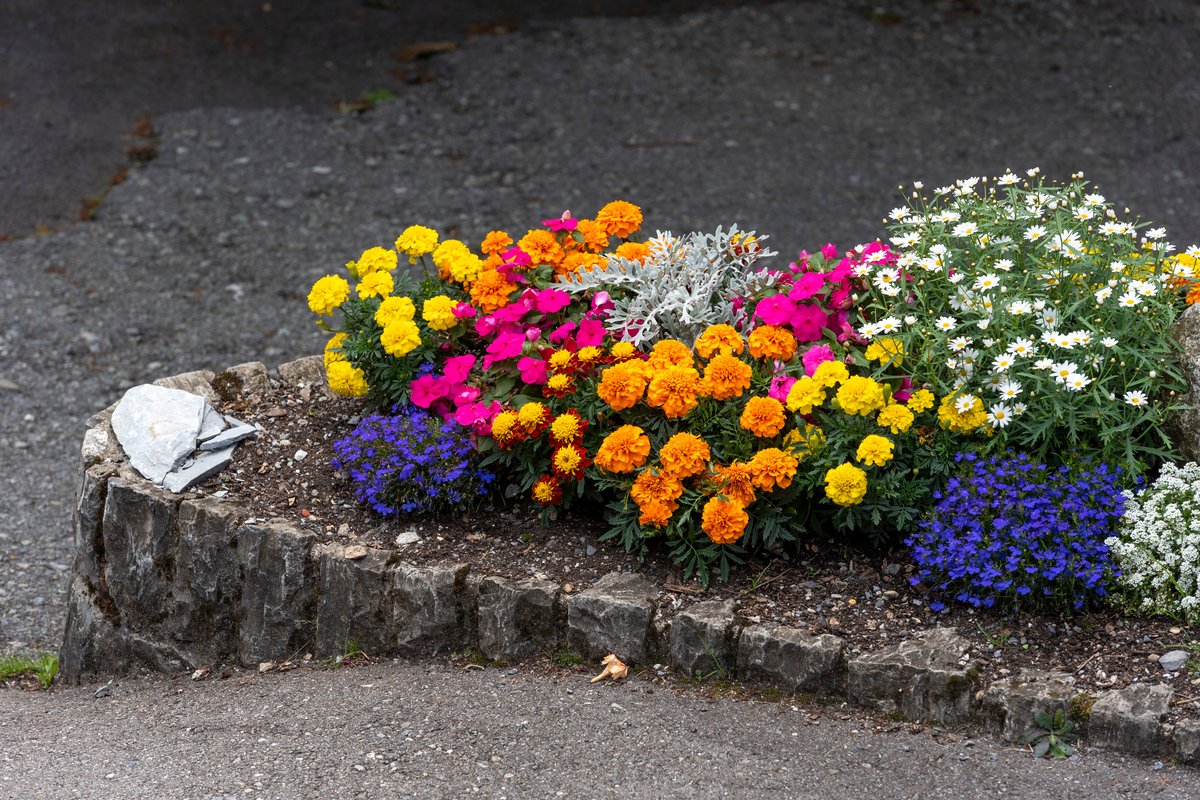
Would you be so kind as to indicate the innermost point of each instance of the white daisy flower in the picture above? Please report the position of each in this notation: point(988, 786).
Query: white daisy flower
point(965, 229)
point(986, 282)
point(959, 343)
point(1034, 232)
point(907, 240)
point(943, 190)
point(870, 330)
point(1193, 251)
point(964, 403)
point(1018, 307)
point(1156, 233)
point(947, 217)
point(876, 257)
point(945, 323)
point(1069, 244)
point(1044, 363)
point(1021, 347)
point(1093, 200)
point(1049, 337)
point(1009, 389)
point(1048, 317)
point(1129, 300)
point(1033, 171)
point(1110, 228)
point(999, 415)
point(1004, 264)
point(1103, 294)
point(1144, 288)
point(1083, 213)
point(1076, 382)
point(1003, 363)
point(1136, 398)
point(910, 320)
point(1109, 342)
point(1080, 338)
point(906, 260)
point(1007, 179)
point(957, 277)
point(898, 213)
point(1063, 370)
point(889, 324)
point(983, 323)
point(918, 185)
point(930, 264)
point(1019, 408)
point(1127, 229)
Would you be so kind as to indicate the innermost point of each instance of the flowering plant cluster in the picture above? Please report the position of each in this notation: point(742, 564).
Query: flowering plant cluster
point(1038, 311)
point(1016, 532)
point(1158, 545)
point(723, 403)
point(412, 462)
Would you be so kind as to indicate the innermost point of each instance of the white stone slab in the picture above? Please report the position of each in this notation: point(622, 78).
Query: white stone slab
point(158, 427)
point(206, 464)
point(213, 424)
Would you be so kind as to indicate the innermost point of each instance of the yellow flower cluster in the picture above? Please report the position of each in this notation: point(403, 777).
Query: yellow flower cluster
point(438, 313)
point(846, 485)
point(896, 418)
point(886, 349)
point(859, 395)
point(346, 379)
point(327, 294)
point(416, 241)
point(958, 421)
point(875, 450)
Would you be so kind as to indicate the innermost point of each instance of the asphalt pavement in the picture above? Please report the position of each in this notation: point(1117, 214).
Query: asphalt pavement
point(798, 120)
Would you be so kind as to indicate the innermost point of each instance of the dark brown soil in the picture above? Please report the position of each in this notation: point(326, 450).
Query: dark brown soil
point(829, 587)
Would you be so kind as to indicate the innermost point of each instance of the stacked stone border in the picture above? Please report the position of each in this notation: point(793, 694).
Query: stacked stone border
point(175, 582)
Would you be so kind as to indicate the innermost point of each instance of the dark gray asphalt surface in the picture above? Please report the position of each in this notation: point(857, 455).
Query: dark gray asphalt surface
point(797, 119)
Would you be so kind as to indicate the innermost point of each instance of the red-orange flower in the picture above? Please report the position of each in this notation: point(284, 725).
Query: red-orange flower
point(772, 468)
point(542, 247)
point(496, 242)
point(719, 339)
point(622, 385)
point(491, 290)
point(567, 428)
point(507, 430)
point(670, 353)
point(569, 461)
point(547, 490)
point(735, 482)
point(674, 390)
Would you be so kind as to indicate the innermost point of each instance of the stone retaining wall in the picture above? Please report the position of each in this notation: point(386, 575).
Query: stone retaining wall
point(177, 582)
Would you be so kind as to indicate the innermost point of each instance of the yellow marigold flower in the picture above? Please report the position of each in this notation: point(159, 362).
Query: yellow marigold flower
point(623, 351)
point(633, 251)
point(333, 349)
point(491, 291)
point(805, 395)
point(507, 429)
point(394, 309)
point(725, 377)
point(560, 360)
point(496, 242)
point(735, 482)
point(619, 219)
point(595, 238)
point(846, 485)
point(830, 373)
point(724, 520)
point(623, 450)
point(377, 259)
point(885, 349)
point(546, 490)
point(465, 268)
point(327, 294)
point(895, 418)
point(763, 416)
point(589, 354)
point(346, 379)
point(542, 247)
point(684, 455)
point(860, 396)
point(875, 450)
point(656, 515)
point(416, 241)
point(773, 342)
point(772, 468)
point(920, 400)
point(622, 385)
point(569, 461)
point(655, 487)
point(446, 254)
point(560, 384)
point(674, 390)
point(950, 418)
point(670, 353)
point(375, 284)
point(438, 312)
point(534, 417)
point(400, 338)
point(719, 339)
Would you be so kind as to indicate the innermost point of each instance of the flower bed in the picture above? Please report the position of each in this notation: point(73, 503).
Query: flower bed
point(714, 404)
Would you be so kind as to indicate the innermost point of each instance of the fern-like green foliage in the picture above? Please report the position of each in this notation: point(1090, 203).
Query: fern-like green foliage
point(685, 285)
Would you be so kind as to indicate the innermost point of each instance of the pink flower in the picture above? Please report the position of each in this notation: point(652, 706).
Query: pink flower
point(561, 333)
point(457, 369)
point(775, 310)
point(533, 370)
point(902, 394)
point(485, 326)
point(464, 311)
point(564, 223)
point(829, 250)
point(461, 394)
point(425, 389)
point(807, 322)
point(505, 346)
point(550, 300)
point(591, 333)
point(478, 415)
point(516, 257)
point(781, 384)
point(808, 284)
point(815, 356)
point(602, 304)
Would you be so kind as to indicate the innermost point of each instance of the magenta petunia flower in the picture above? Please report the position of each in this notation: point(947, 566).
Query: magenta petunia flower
point(815, 356)
point(591, 333)
point(806, 286)
point(561, 333)
point(533, 370)
point(829, 250)
point(550, 300)
point(564, 223)
point(781, 384)
point(807, 322)
point(461, 394)
point(464, 311)
point(457, 368)
point(602, 303)
point(505, 346)
point(426, 389)
point(777, 309)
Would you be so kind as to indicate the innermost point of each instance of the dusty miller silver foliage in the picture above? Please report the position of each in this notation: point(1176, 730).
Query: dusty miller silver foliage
point(686, 284)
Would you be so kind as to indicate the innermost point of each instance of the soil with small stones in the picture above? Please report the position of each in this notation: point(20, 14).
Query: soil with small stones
point(828, 587)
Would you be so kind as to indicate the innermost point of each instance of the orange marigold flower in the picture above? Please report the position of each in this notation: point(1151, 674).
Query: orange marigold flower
point(491, 291)
point(670, 353)
point(623, 450)
point(496, 242)
point(735, 482)
point(547, 490)
point(577, 262)
point(719, 339)
point(674, 390)
point(1193, 295)
point(634, 251)
point(595, 237)
point(620, 219)
point(725, 377)
point(655, 487)
point(622, 385)
point(724, 520)
point(569, 461)
point(656, 515)
point(507, 429)
point(763, 416)
point(542, 247)
point(567, 428)
point(773, 467)
point(684, 455)
point(772, 341)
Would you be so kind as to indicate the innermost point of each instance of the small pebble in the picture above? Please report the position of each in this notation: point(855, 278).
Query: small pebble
point(300, 455)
